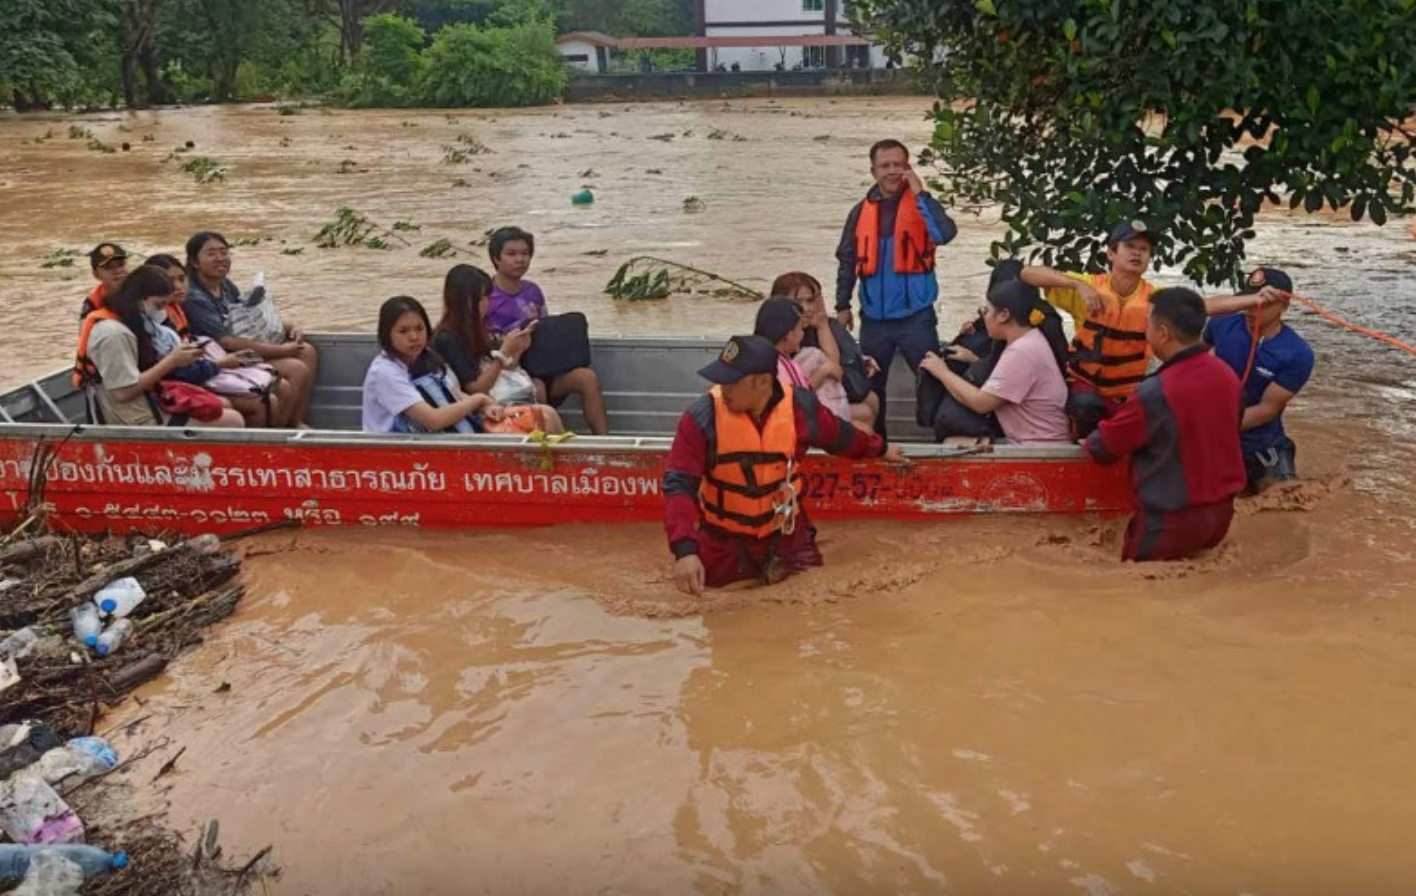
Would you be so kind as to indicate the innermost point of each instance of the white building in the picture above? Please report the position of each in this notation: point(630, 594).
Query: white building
point(766, 19)
point(586, 51)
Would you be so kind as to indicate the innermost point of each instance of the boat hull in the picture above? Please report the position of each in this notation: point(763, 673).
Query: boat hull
point(115, 480)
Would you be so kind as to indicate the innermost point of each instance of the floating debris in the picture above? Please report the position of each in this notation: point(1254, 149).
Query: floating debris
point(645, 278)
point(438, 249)
point(204, 170)
point(60, 258)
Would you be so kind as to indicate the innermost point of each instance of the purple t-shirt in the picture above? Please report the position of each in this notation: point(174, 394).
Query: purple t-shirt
point(1034, 394)
point(510, 311)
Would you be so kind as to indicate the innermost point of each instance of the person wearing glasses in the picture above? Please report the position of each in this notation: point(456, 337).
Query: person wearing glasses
point(1110, 356)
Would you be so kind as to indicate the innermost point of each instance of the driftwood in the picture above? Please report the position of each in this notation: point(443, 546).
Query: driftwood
point(22, 552)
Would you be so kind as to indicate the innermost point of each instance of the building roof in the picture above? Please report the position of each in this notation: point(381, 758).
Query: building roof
point(762, 40)
point(594, 38)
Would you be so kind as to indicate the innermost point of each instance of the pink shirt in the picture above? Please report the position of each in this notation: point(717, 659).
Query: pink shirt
point(789, 373)
point(1034, 394)
point(831, 392)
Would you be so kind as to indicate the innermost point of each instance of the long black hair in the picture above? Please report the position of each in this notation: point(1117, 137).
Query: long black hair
point(464, 288)
point(146, 282)
point(389, 313)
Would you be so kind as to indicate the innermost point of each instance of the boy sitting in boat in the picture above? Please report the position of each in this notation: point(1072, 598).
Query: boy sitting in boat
point(732, 482)
point(516, 302)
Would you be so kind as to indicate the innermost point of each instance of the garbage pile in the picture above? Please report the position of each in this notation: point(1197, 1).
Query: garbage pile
point(83, 623)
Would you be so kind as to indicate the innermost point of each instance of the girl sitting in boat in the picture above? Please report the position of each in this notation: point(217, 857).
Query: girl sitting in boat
point(461, 338)
point(124, 367)
point(260, 399)
point(830, 356)
point(409, 389)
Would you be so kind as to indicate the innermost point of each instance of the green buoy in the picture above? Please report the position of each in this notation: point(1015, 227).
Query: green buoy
point(584, 197)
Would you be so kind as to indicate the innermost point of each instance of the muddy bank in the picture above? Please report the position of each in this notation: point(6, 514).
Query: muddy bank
point(988, 705)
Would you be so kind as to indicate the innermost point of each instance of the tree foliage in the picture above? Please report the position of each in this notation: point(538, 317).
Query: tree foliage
point(86, 52)
point(514, 65)
point(50, 50)
point(1191, 114)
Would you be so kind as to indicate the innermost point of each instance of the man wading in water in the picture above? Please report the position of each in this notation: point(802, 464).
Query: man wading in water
point(732, 481)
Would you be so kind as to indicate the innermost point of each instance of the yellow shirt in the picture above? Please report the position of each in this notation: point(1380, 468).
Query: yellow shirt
point(1071, 301)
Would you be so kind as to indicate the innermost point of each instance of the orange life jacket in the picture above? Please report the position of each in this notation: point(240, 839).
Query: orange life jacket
point(177, 317)
point(96, 299)
point(751, 484)
point(1110, 351)
point(914, 250)
point(85, 371)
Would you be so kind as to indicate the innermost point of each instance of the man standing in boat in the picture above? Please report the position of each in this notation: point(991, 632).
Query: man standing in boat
point(888, 246)
point(1109, 355)
point(732, 481)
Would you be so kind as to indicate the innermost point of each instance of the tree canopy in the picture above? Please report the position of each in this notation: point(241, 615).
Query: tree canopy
point(1190, 114)
point(101, 52)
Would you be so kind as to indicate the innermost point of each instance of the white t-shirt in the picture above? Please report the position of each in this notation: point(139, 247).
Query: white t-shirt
point(1034, 393)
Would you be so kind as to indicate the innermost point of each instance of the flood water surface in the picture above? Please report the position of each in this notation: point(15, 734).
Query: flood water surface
point(975, 705)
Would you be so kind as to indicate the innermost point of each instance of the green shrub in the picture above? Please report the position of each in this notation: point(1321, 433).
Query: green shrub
point(516, 65)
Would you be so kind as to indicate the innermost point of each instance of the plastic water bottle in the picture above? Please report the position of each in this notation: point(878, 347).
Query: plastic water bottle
point(113, 637)
point(15, 860)
point(87, 623)
point(51, 875)
point(120, 598)
point(20, 644)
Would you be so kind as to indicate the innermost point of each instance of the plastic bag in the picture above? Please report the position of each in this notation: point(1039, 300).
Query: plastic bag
point(514, 386)
point(255, 316)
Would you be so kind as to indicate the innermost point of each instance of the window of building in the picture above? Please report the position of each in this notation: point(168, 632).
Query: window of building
point(813, 57)
point(577, 57)
point(813, 5)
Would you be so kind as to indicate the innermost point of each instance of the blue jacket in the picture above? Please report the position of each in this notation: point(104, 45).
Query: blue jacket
point(888, 295)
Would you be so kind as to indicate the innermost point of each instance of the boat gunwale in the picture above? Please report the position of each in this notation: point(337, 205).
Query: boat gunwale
point(334, 438)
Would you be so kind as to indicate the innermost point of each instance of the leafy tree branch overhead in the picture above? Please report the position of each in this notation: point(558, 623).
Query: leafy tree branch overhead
point(1191, 114)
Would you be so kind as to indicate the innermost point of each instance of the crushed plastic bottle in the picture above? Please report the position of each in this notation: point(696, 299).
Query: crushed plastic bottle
point(20, 644)
point(51, 874)
point(15, 860)
point(32, 812)
point(113, 637)
point(87, 623)
point(120, 598)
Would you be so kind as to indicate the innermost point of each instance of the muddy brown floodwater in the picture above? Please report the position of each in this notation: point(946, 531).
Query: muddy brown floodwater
point(976, 705)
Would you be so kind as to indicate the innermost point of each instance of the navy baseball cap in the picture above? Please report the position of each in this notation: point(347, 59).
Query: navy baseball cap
point(104, 253)
point(742, 356)
point(1130, 230)
point(1262, 277)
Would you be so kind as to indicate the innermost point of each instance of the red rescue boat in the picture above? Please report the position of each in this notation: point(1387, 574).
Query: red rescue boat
point(121, 479)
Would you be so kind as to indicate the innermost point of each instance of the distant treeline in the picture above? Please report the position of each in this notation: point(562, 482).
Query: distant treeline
point(79, 53)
